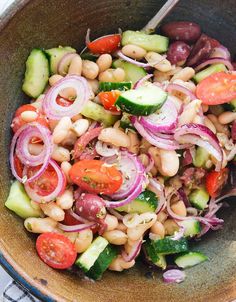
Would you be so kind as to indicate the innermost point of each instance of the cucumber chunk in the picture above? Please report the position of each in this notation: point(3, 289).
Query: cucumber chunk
point(89, 56)
point(145, 202)
point(168, 246)
point(201, 157)
point(55, 55)
point(108, 86)
point(142, 101)
point(102, 262)
point(133, 73)
point(190, 259)
point(125, 122)
point(98, 113)
point(90, 256)
point(192, 227)
point(157, 259)
point(148, 42)
point(36, 74)
point(19, 202)
point(201, 75)
point(199, 198)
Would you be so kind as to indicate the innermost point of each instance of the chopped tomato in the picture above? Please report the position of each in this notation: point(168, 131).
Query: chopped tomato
point(18, 166)
point(215, 181)
point(106, 44)
point(56, 250)
point(108, 99)
point(46, 183)
point(216, 89)
point(95, 176)
point(63, 102)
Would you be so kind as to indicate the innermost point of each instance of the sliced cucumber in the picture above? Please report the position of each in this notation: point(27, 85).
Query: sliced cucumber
point(201, 75)
point(201, 157)
point(142, 101)
point(19, 202)
point(148, 42)
point(125, 122)
point(145, 202)
point(133, 73)
point(168, 246)
point(55, 55)
point(98, 113)
point(90, 256)
point(192, 227)
point(157, 259)
point(36, 74)
point(89, 56)
point(190, 259)
point(108, 86)
point(199, 198)
point(102, 262)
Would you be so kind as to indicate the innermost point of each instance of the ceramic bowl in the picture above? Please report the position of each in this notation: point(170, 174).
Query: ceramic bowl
point(47, 23)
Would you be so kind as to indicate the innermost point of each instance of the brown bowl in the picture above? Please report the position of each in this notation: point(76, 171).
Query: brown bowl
point(47, 23)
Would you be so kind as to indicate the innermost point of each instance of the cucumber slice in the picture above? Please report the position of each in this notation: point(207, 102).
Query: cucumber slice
point(36, 74)
point(108, 86)
point(168, 246)
point(133, 73)
point(145, 202)
point(19, 202)
point(90, 256)
point(192, 227)
point(157, 259)
point(55, 55)
point(199, 198)
point(201, 75)
point(98, 113)
point(190, 259)
point(148, 42)
point(142, 101)
point(89, 56)
point(125, 122)
point(201, 157)
point(102, 262)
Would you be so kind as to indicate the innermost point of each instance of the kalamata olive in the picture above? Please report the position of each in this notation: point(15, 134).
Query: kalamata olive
point(202, 50)
point(182, 30)
point(178, 52)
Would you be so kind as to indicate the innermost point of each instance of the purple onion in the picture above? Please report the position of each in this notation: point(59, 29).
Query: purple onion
point(210, 61)
point(174, 276)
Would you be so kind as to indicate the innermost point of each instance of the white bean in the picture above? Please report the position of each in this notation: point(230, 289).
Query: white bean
point(169, 162)
point(111, 221)
point(208, 123)
point(137, 232)
point(52, 124)
point(205, 108)
point(154, 152)
point(134, 51)
point(144, 159)
point(65, 200)
point(75, 66)
point(121, 227)
point(76, 117)
point(54, 79)
point(115, 137)
point(219, 127)
point(60, 154)
point(66, 166)
point(80, 126)
point(170, 226)
point(52, 210)
point(83, 240)
point(189, 85)
point(144, 146)
point(89, 69)
point(227, 117)
point(61, 130)
point(158, 61)
point(70, 139)
point(162, 216)
point(112, 75)
point(190, 111)
point(115, 237)
point(179, 208)
point(40, 225)
point(185, 74)
point(104, 62)
point(94, 85)
point(158, 229)
point(134, 142)
point(119, 264)
point(35, 149)
point(68, 93)
point(29, 116)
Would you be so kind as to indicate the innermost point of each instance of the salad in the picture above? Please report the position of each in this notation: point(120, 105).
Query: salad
point(123, 149)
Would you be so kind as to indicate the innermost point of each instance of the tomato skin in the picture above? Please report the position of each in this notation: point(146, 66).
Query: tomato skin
point(94, 176)
point(108, 99)
point(107, 44)
point(18, 166)
point(63, 102)
point(215, 181)
point(217, 89)
point(56, 250)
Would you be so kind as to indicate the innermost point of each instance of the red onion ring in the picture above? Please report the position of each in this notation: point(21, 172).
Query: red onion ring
point(25, 133)
point(87, 37)
point(227, 63)
point(220, 52)
point(133, 253)
point(64, 63)
point(141, 81)
point(55, 111)
point(105, 150)
point(58, 190)
point(179, 234)
point(179, 88)
point(158, 189)
point(132, 61)
point(174, 276)
point(150, 164)
point(116, 214)
point(77, 227)
point(77, 217)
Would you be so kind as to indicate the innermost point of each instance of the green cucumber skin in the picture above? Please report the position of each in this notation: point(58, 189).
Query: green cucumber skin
point(167, 245)
point(231, 106)
point(192, 227)
point(108, 86)
point(190, 259)
point(201, 75)
point(156, 43)
point(199, 198)
point(19, 202)
point(145, 202)
point(36, 73)
point(201, 157)
point(102, 263)
point(157, 259)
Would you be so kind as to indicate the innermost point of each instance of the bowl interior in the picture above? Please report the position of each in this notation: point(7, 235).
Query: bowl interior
point(44, 24)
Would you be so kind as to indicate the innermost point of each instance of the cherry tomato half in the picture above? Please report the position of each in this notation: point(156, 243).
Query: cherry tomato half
point(107, 44)
point(215, 181)
point(108, 99)
point(95, 177)
point(63, 102)
point(56, 250)
point(18, 166)
point(216, 89)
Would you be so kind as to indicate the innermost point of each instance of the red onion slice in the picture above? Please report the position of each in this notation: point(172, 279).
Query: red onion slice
point(179, 88)
point(116, 214)
point(77, 227)
point(227, 63)
point(55, 111)
point(141, 81)
point(77, 217)
point(179, 234)
point(150, 164)
point(58, 190)
point(174, 276)
point(132, 61)
point(133, 253)
point(220, 52)
point(105, 149)
point(158, 189)
point(64, 63)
